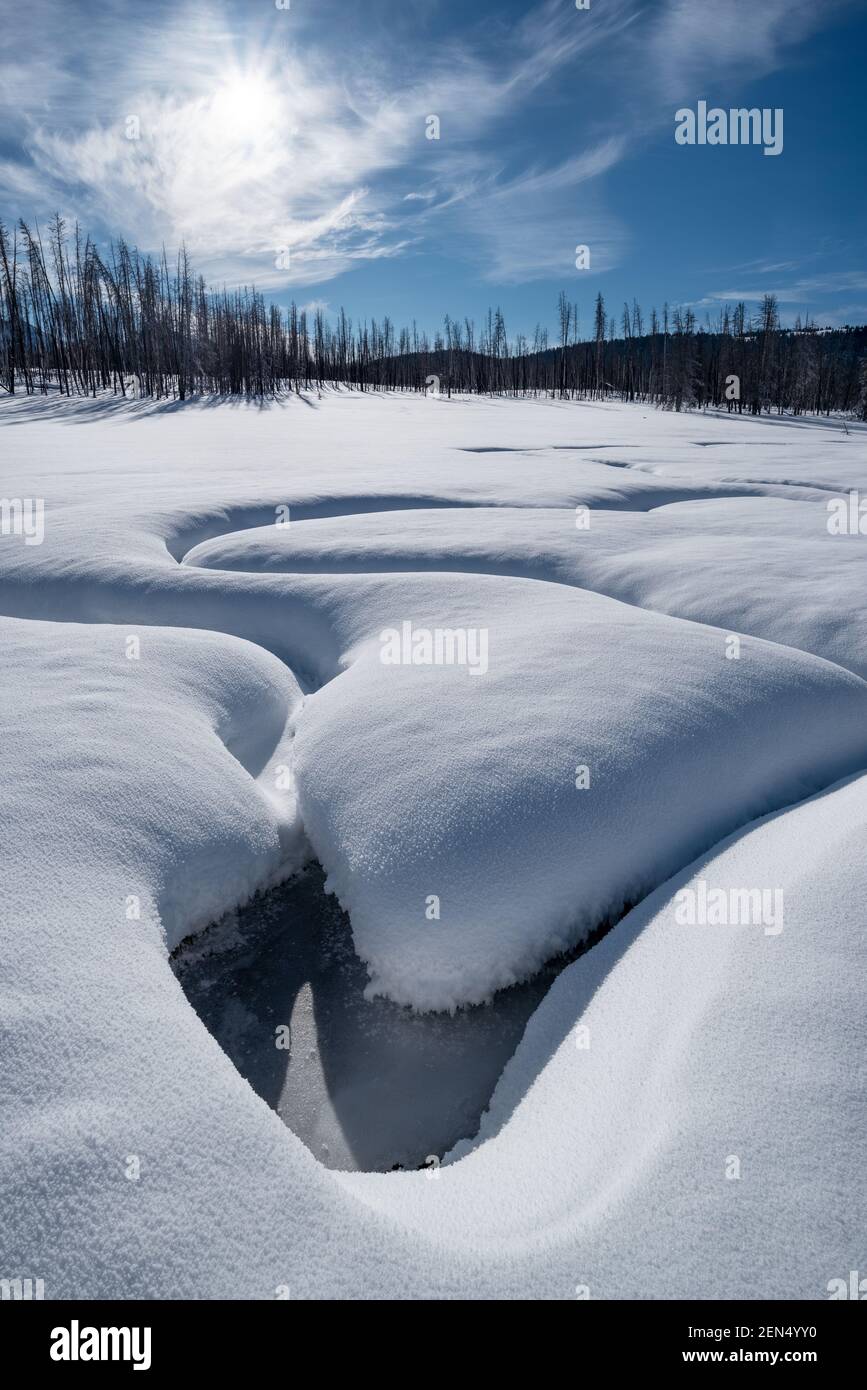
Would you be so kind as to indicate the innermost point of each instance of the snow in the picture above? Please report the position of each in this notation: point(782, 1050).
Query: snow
point(149, 790)
point(419, 781)
point(705, 1044)
point(767, 566)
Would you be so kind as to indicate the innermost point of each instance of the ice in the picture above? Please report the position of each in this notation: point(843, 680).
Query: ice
point(367, 1086)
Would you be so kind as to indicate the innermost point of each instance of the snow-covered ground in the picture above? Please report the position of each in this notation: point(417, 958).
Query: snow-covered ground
point(661, 702)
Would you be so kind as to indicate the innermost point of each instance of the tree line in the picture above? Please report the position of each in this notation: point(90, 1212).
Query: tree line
point(82, 322)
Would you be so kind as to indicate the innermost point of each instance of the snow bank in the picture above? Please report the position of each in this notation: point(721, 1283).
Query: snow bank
point(444, 805)
point(117, 707)
point(683, 1116)
point(766, 566)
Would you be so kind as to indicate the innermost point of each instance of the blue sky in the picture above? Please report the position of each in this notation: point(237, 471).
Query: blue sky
point(287, 147)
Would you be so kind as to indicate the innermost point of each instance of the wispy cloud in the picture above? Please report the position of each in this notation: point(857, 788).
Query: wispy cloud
point(701, 40)
point(802, 291)
point(528, 227)
point(251, 140)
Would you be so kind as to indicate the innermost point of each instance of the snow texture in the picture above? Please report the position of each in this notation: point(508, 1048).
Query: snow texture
point(192, 705)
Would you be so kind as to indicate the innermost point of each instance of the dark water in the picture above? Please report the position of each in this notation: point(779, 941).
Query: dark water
point(365, 1084)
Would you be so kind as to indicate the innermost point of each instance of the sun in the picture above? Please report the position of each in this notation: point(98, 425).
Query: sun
point(245, 106)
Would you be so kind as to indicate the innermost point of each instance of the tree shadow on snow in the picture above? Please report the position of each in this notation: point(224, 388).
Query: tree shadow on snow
point(86, 410)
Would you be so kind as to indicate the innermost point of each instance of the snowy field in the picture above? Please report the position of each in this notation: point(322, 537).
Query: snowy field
point(510, 671)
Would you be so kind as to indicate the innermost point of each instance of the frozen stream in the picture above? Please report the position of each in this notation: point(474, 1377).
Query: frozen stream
point(366, 1085)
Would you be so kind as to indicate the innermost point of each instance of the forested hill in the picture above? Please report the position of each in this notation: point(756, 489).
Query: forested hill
point(81, 321)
